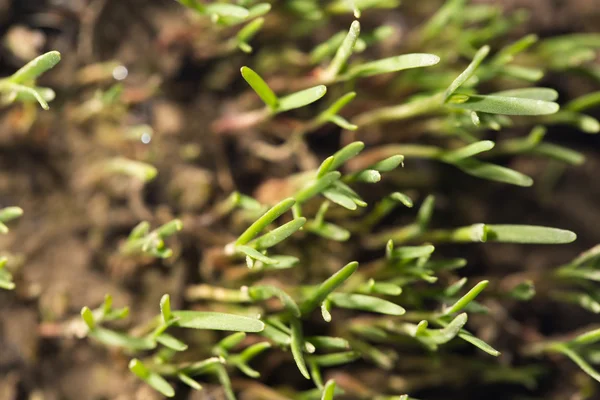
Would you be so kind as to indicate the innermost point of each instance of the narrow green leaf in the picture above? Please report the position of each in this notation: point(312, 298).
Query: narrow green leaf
point(33, 69)
point(402, 198)
point(317, 186)
point(426, 211)
point(467, 151)
point(297, 347)
point(279, 234)
point(405, 253)
point(189, 381)
point(392, 64)
point(117, 339)
point(389, 164)
point(467, 298)
point(275, 212)
point(446, 334)
point(10, 213)
point(250, 30)
point(329, 231)
point(165, 308)
point(365, 303)
point(255, 255)
point(171, 342)
point(264, 292)
point(328, 390)
point(468, 72)
point(535, 93)
point(587, 338)
point(344, 52)
point(170, 228)
point(328, 342)
point(217, 321)
point(337, 106)
point(153, 379)
point(385, 288)
point(528, 234)
point(368, 176)
point(226, 10)
point(581, 363)
point(584, 102)
point(88, 318)
point(260, 87)
point(327, 287)
point(346, 153)
point(559, 153)
point(340, 198)
point(301, 99)
point(493, 172)
point(507, 105)
point(335, 359)
point(480, 344)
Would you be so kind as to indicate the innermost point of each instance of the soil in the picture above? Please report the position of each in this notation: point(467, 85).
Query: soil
point(66, 244)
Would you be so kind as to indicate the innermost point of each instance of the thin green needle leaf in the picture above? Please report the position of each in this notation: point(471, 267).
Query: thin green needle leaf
point(342, 123)
point(559, 153)
point(317, 186)
point(468, 337)
point(337, 106)
point(217, 321)
point(335, 359)
point(327, 287)
point(189, 381)
point(528, 234)
point(587, 338)
point(535, 93)
point(493, 172)
point(446, 334)
point(467, 151)
point(165, 308)
point(153, 379)
point(344, 52)
point(340, 198)
point(392, 64)
point(365, 303)
point(426, 211)
point(275, 212)
point(389, 164)
point(297, 346)
point(279, 234)
point(253, 351)
point(10, 213)
point(329, 231)
point(171, 342)
point(345, 154)
point(266, 292)
point(329, 343)
point(581, 363)
point(507, 105)
point(226, 10)
point(468, 72)
point(255, 254)
point(301, 99)
point(467, 298)
point(402, 198)
point(33, 69)
point(328, 390)
point(261, 88)
point(584, 102)
point(406, 253)
point(117, 339)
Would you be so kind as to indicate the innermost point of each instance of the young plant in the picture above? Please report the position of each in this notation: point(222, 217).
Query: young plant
point(21, 86)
